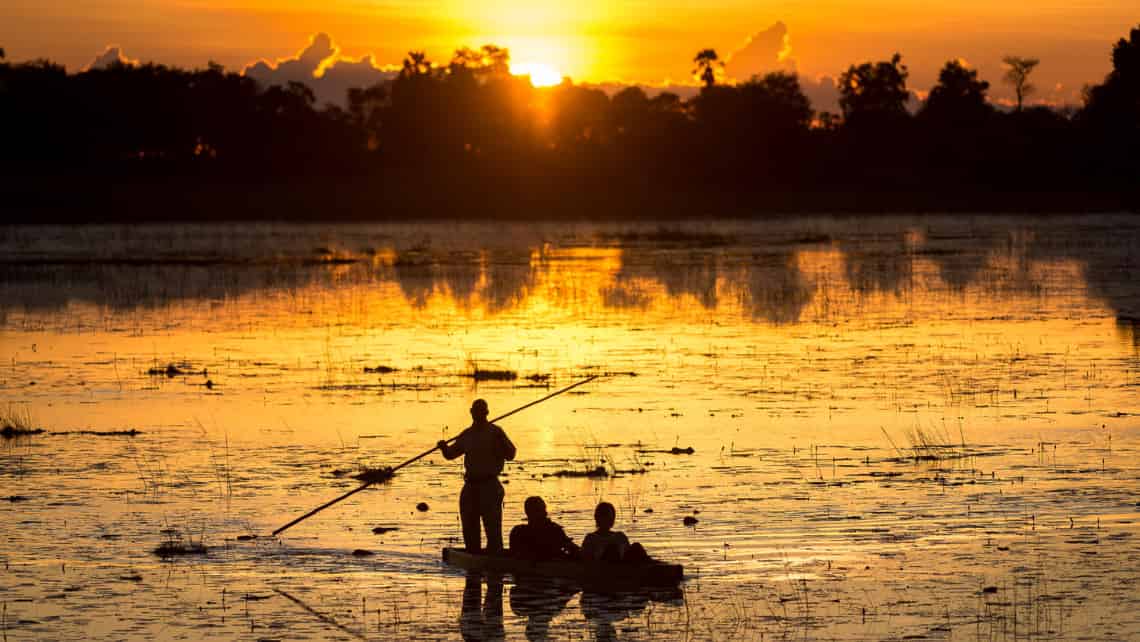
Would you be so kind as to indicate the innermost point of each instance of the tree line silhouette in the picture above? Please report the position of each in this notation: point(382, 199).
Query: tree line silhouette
point(468, 138)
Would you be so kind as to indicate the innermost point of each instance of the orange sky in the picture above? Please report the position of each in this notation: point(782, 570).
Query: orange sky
point(591, 40)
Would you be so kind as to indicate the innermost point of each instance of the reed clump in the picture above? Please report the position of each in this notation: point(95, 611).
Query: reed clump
point(175, 545)
point(17, 422)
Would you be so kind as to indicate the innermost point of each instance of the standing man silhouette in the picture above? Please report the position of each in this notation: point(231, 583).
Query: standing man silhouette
point(485, 447)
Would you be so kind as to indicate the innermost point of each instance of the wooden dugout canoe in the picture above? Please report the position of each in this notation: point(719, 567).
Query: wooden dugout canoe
point(593, 574)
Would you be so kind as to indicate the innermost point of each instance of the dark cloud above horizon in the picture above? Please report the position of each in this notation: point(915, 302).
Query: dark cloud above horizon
point(111, 55)
point(764, 52)
point(770, 50)
point(320, 66)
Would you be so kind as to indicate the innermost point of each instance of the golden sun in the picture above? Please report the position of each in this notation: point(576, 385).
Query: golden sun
point(541, 74)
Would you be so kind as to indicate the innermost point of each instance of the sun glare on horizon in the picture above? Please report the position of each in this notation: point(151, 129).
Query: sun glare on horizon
point(541, 74)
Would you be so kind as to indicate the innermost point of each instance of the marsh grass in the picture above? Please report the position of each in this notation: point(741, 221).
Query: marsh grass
point(17, 422)
point(152, 471)
point(931, 444)
point(178, 544)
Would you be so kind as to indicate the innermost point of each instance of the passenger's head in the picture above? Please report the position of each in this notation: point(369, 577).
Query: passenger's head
point(479, 409)
point(604, 516)
point(535, 509)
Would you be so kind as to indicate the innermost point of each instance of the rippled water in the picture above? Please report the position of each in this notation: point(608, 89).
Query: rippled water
point(922, 427)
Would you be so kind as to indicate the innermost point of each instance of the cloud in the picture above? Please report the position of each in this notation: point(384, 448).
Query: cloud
point(111, 55)
point(320, 66)
point(822, 92)
point(765, 51)
point(771, 50)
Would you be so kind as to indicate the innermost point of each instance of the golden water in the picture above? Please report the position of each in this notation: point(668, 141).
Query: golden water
point(805, 361)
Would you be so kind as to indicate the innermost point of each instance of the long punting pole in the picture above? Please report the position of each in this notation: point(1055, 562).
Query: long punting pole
point(421, 456)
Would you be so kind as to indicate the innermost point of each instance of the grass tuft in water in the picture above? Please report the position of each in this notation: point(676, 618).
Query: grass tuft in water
point(17, 422)
point(177, 546)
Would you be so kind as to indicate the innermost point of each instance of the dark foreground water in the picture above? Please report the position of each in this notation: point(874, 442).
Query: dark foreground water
point(902, 427)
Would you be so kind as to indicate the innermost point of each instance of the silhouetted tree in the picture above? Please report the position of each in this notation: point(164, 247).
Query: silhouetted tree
point(959, 96)
point(1116, 101)
point(1017, 74)
point(580, 116)
point(707, 64)
point(874, 90)
point(953, 123)
point(778, 99)
point(488, 60)
point(630, 110)
point(416, 64)
point(1110, 117)
point(468, 132)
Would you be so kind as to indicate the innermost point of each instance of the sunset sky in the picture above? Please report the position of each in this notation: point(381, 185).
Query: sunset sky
point(591, 40)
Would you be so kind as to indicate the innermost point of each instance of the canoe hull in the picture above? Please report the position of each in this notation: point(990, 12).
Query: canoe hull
point(586, 573)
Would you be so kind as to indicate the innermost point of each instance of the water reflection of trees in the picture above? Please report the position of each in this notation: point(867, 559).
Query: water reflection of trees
point(882, 264)
point(497, 281)
point(765, 279)
point(776, 289)
point(682, 273)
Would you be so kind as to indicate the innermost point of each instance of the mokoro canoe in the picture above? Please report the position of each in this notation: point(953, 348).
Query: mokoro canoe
point(603, 574)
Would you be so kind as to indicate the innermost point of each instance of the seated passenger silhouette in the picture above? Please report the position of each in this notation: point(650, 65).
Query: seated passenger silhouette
point(607, 545)
point(540, 538)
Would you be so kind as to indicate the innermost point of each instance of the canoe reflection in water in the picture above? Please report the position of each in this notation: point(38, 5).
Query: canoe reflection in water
point(482, 616)
point(540, 600)
point(603, 610)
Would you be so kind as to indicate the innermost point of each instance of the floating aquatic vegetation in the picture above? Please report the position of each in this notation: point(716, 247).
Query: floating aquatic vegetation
point(175, 370)
point(592, 473)
point(177, 546)
point(372, 475)
point(131, 432)
point(479, 374)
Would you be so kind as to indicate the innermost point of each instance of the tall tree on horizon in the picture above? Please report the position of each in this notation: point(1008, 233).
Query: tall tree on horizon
point(1017, 75)
point(706, 62)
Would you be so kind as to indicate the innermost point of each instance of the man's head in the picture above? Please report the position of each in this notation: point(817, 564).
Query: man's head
point(535, 509)
point(604, 516)
point(479, 410)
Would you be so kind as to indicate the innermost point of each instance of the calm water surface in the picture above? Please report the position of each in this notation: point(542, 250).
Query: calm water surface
point(902, 427)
